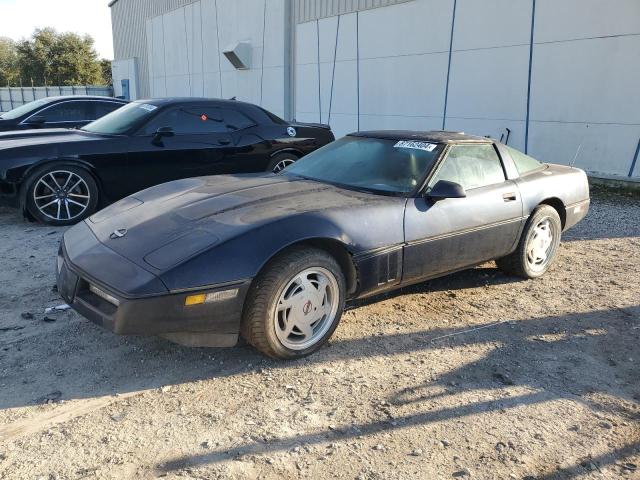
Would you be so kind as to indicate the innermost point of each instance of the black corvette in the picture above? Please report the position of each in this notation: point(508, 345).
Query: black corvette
point(273, 257)
point(61, 176)
point(59, 112)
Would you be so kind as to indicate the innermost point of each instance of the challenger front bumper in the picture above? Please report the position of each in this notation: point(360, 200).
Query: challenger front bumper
point(159, 313)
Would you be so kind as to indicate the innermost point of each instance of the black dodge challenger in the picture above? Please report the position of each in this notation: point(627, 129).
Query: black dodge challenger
point(273, 257)
point(61, 176)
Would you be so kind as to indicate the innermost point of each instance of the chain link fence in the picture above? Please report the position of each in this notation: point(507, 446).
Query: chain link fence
point(12, 97)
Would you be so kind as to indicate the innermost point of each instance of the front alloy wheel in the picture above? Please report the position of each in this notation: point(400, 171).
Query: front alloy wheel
point(62, 195)
point(295, 304)
point(306, 308)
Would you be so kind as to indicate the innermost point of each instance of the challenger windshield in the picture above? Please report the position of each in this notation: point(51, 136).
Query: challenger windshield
point(373, 164)
point(121, 120)
point(21, 110)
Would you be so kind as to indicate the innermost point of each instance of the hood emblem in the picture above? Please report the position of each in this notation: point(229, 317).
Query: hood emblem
point(121, 232)
point(291, 131)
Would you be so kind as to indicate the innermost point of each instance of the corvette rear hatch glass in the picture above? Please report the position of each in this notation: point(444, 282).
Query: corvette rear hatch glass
point(121, 120)
point(373, 164)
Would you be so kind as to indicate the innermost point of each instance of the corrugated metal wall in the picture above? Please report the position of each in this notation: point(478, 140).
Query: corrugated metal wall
point(128, 18)
point(307, 10)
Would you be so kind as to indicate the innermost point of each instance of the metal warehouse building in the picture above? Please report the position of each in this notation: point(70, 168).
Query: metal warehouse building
point(560, 77)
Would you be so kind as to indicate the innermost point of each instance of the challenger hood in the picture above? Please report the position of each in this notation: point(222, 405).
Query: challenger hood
point(44, 137)
point(162, 225)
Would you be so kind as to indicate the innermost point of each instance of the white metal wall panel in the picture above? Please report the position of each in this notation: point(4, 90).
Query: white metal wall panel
point(385, 57)
point(184, 51)
point(129, 23)
point(392, 60)
point(490, 68)
point(403, 65)
point(583, 92)
point(585, 76)
point(125, 69)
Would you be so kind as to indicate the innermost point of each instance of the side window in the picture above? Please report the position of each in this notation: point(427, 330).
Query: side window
point(102, 108)
point(524, 163)
point(76, 111)
point(471, 166)
point(167, 118)
point(200, 120)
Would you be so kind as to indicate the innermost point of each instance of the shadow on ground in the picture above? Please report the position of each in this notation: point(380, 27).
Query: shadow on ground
point(532, 353)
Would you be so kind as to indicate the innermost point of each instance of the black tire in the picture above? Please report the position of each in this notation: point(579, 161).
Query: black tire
point(260, 311)
point(55, 176)
point(281, 160)
point(518, 263)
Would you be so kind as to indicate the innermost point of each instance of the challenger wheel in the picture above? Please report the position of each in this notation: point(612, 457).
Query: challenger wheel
point(281, 161)
point(295, 304)
point(61, 195)
point(538, 245)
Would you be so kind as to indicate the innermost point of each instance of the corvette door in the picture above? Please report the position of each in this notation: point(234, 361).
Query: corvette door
point(455, 233)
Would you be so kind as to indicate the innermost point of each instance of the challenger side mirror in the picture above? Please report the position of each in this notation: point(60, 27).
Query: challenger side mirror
point(36, 120)
point(161, 133)
point(446, 189)
point(165, 132)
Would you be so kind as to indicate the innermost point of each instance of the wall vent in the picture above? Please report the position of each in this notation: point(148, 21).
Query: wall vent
point(239, 54)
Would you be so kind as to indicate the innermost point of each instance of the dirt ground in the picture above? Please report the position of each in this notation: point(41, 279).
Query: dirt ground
point(478, 375)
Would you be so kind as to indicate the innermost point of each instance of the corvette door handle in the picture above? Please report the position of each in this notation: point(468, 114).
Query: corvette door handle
point(224, 141)
point(509, 197)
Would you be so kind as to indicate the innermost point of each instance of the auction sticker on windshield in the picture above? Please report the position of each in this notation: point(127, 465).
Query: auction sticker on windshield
point(427, 147)
point(147, 107)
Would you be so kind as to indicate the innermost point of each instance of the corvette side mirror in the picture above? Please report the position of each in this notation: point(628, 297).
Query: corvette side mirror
point(446, 189)
point(161, 133)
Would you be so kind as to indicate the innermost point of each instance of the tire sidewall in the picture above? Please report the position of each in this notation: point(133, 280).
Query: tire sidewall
point(279, 157)
point(82, 172)
point(318, 259)
point(538, 215)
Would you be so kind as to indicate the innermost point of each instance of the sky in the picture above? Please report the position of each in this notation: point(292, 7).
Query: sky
point(19, 18)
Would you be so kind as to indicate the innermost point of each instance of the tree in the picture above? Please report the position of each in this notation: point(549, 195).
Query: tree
point(105, 66)
point(9, 73)
point(52, 58)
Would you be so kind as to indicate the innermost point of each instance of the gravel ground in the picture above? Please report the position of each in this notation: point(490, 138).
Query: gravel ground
point(477, 375)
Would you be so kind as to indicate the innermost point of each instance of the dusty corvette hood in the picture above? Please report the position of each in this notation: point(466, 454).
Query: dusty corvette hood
point(190, 215)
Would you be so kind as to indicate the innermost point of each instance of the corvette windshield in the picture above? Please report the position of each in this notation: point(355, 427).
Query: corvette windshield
point(369, 163)
point(23, 109)
point(121, 120)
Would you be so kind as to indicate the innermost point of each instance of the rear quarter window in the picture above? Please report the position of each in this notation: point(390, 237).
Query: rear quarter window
point(524, 163)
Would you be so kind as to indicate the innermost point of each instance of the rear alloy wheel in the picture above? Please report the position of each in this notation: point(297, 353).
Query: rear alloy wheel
point(62, 195)
point(295, 304)
point(538, 245)
point(281, 161)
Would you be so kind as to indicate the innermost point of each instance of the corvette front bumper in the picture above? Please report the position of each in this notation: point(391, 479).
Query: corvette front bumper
point(215, 324)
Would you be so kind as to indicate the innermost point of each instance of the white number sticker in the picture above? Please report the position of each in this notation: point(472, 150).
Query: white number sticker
point(427, 147)
point(147, 107)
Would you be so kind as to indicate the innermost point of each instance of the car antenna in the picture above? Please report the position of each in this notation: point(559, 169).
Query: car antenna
point(576, 155)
